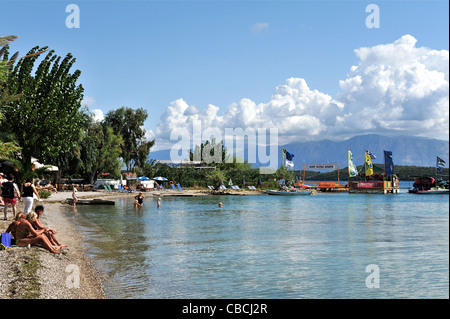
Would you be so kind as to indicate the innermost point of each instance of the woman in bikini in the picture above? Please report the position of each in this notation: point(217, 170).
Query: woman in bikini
point(26, 235)
point(34, 220)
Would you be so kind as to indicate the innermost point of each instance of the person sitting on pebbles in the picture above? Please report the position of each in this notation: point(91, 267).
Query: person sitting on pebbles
point(35, 220)
point(26, 235)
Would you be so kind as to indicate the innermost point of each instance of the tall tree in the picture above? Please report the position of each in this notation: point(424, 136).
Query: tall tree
point(99, 151)
point(46, 119)
point(129, 124)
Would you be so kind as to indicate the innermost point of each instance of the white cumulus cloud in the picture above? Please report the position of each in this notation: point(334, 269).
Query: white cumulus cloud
point(396, 88)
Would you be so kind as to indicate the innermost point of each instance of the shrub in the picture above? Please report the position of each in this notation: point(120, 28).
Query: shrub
point(43, 193)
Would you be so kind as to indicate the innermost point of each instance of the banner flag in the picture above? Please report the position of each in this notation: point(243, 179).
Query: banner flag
point(388, 163)
point(368, 165)
point(352, 170)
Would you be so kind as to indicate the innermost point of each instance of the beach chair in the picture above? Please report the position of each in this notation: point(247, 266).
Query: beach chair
point(250, 188)
point(237, 188)
point(211, 188)
point(173, 186)
point(179, 187)
point(253, 188)
point(223, 187)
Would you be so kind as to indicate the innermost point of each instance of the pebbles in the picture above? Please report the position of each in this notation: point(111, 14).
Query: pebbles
point(37, 273)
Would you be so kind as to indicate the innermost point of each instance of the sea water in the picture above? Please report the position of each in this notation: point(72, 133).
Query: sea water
point(328, 245)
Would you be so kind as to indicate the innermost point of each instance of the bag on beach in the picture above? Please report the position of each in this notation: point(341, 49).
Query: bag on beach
point(5, 241)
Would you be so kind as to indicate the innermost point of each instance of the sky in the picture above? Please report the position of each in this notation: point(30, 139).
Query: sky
point(312, 69)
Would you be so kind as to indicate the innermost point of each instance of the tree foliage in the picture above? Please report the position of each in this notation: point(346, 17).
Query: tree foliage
point(129, 125)
point(46, 119)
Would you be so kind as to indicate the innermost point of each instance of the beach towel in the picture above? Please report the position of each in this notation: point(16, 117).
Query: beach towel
point(5, 241)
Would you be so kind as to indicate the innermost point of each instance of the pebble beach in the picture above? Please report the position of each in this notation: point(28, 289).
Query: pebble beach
point(36, 273)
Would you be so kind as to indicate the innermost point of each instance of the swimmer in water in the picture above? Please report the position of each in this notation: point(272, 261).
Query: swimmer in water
point(220, 204)
point(139, 200)
point(158, 203)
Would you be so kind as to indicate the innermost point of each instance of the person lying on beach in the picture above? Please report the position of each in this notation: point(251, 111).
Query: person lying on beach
point(139, 200)
point(51, 188)
point(26, 235)
point(34, 219)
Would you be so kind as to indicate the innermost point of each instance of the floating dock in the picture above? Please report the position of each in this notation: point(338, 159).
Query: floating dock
point(373, 187)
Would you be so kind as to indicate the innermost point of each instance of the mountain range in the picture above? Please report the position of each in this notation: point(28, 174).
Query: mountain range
point(406, 150)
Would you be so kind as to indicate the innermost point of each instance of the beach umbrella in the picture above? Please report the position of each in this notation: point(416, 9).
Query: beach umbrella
point(143, 178)
point(243, 180)
point(259, 182)
point(160, 179)
point(296, 179)
point(230, 183)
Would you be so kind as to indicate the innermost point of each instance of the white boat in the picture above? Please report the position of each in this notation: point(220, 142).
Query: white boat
point(431, 191)
point(287, 193)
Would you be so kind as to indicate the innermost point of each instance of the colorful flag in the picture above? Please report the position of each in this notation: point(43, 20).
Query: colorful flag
point(439, 161)
point(368, 165)
point(388, 163)
point(352, 170)
point(289, 162)
point(372, 156)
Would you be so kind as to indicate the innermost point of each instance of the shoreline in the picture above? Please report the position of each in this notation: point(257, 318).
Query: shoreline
point(36, 273)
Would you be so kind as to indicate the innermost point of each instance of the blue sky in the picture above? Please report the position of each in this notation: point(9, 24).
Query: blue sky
point(151, 53)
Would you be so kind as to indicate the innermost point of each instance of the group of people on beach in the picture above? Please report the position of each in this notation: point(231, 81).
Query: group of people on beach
point(27, 230)
point(10, 194)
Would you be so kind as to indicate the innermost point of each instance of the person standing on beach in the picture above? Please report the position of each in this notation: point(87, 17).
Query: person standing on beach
point(2, 180)
point(28, 192)
point(9, 189)
point(74, 196)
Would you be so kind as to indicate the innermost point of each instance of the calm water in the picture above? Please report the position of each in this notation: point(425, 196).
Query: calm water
point(271, 247)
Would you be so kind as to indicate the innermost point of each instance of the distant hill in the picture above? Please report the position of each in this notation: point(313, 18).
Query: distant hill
point(406, 150)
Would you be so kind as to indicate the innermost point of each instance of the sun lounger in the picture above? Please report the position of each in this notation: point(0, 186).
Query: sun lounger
point(173, 186)
point(237, 188)
point(223, 187)
point(211, 188)
point(179, 187)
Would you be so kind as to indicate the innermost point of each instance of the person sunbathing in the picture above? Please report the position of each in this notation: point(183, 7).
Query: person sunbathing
point(34, 220)
point(51, 188)
point(26, 235)
point(13, 226)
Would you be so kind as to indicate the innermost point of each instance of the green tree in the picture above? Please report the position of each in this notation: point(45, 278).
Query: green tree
point(98, 151)
point(46, 119)
point(128, 124)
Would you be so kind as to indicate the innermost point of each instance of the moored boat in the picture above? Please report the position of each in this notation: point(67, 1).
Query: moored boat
point(287, 193)
point(433, 191)
point(429, 185)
